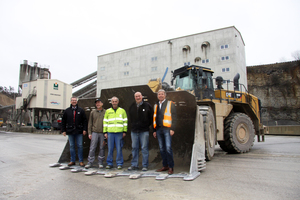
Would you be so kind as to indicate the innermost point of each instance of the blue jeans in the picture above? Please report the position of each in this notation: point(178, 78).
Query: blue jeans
point(112, 139)
point(164, 141)
point(78, 138)
point(137, 139)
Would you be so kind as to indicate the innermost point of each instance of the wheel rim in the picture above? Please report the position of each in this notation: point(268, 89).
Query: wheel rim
point(242, 133)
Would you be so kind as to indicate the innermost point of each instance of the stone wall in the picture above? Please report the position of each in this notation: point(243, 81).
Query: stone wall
point(278, 87)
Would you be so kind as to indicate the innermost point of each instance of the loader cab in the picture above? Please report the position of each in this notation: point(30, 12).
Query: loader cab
point(195, 79)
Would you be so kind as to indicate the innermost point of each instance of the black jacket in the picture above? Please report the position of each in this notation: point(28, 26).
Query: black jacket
point(68, 124)
point(160, 115)
point(140, 118)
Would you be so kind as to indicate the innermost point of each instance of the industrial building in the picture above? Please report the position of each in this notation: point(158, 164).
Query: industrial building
point(42, 96)
point(222, 50)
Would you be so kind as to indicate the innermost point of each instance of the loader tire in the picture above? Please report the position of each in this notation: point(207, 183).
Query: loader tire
point(209, 131)
point(239, 133)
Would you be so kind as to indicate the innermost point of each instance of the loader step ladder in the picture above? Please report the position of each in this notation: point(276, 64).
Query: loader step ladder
point(198, 162)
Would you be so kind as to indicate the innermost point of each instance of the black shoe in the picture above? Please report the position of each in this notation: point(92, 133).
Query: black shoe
point(132, 168)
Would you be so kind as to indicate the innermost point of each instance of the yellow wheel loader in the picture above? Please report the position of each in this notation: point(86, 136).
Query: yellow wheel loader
point(206, 115)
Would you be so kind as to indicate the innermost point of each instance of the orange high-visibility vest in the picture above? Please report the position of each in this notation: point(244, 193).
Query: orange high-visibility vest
point(167, 121)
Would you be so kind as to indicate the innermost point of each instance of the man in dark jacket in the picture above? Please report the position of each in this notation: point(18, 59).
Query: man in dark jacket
point(141, 116)
point(74, 124)
point(164, 121)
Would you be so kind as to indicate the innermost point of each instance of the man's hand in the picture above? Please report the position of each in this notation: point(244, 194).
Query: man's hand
point(64, 133)
point(154, 134)
point(84, 132)
point(105, 135)
point(90, 136)
point(124, 134)
point(172, 132)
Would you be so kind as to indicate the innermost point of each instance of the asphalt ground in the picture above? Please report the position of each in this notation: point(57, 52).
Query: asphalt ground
point(271, 170)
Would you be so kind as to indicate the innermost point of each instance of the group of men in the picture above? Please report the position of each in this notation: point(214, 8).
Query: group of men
point(111, 124)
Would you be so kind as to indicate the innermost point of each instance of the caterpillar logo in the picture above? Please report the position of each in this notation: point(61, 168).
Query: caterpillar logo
point(233, 95)
point(55, 86)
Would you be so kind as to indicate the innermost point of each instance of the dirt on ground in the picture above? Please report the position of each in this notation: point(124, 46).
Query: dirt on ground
point(5, 100)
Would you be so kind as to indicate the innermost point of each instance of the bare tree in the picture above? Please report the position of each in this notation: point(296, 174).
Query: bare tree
point(11, 90)
point(296, 55)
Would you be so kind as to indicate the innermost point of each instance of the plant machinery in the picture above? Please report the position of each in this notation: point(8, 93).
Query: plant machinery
point(206, 115)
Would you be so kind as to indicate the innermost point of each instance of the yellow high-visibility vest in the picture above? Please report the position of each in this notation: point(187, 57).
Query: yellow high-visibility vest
point(115, 121)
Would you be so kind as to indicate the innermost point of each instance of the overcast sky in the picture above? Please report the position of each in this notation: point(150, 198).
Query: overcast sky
point(68, 35)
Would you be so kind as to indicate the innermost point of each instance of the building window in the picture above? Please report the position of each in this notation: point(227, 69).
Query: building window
point(225, 58)
point(126, 73)
point(153, 69)
point(225, 46)
point(205, 61)
point(186, 48)
point(154, 58)
point(102, 68)
point(126, 64)
point(187, 63)
point(225, 69)
point(102, 77)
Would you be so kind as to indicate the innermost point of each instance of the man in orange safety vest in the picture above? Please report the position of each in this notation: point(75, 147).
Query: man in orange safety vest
point(164, 121)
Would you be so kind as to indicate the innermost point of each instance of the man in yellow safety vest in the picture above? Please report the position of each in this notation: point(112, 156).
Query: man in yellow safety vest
point(114, 129)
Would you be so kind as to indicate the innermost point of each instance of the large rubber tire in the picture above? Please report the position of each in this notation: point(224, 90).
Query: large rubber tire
point(209, 132)
point(239, 133)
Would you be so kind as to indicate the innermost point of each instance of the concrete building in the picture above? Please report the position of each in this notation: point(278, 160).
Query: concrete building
point(222, 50)
point(44, 98)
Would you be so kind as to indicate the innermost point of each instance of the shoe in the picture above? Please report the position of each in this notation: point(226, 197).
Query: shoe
point(145, 169)
point(88, 165)
point(81, 164)
point(163, 169)
point(101, 166)
point(119, 167)
point(71, 163)
point(109, 167)
point(132, 168)
point(170, 171)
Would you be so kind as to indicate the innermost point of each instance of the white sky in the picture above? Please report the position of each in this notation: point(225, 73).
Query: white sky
point(68, 35)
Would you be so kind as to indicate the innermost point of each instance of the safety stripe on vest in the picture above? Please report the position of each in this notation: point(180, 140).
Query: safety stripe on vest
point(115, 125)
point(167, 121)
point(154, 116)
point(114, 119)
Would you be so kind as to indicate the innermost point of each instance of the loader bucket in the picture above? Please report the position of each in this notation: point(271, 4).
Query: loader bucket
point(182, 141)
